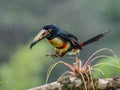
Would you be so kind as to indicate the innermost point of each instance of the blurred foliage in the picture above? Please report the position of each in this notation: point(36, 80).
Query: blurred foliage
point(24, 69)
point(108, 69)
point(21, 20)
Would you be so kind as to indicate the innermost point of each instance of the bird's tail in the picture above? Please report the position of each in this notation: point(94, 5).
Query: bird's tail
point(94, 39)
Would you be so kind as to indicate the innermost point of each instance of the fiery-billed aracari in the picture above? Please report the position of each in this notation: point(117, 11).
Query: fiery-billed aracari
point(63, 41)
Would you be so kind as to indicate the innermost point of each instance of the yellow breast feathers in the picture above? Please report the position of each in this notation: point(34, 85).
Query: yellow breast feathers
point(56, 42)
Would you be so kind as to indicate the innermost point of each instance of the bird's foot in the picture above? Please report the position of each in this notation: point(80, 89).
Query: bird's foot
point(53, 55)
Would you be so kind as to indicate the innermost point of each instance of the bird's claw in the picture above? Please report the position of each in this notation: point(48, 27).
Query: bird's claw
point(53, 55)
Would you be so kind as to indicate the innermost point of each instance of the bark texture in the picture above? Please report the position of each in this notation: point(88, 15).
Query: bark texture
point(75, 83)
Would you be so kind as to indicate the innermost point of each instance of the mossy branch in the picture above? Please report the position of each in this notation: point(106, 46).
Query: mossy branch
point(75, 83)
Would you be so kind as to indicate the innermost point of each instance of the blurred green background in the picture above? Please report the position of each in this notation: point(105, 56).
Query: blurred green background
point(20, 20)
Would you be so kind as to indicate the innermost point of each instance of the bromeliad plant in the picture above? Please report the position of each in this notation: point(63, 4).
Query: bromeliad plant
point(84, 70)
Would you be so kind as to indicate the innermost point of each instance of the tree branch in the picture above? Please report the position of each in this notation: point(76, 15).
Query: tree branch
point(75, 83)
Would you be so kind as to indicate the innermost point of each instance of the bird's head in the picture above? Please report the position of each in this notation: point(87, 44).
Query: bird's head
point(47, 31)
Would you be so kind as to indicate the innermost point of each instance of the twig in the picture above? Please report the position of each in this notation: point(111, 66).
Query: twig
point(74, 83)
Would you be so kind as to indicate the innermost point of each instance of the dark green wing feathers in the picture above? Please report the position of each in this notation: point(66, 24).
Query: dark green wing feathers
point(69, 37)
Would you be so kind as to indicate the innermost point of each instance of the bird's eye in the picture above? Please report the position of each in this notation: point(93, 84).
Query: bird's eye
point(50, 30)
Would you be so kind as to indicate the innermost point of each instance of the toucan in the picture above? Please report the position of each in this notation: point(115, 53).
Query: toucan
point(63, 41)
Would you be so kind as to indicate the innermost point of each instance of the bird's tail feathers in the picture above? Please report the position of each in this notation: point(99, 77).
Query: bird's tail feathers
point(94, 39)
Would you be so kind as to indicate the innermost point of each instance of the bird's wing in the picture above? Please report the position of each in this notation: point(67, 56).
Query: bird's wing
point(68, 36)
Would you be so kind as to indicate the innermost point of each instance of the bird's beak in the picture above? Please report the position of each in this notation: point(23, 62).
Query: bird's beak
point(42, 34)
